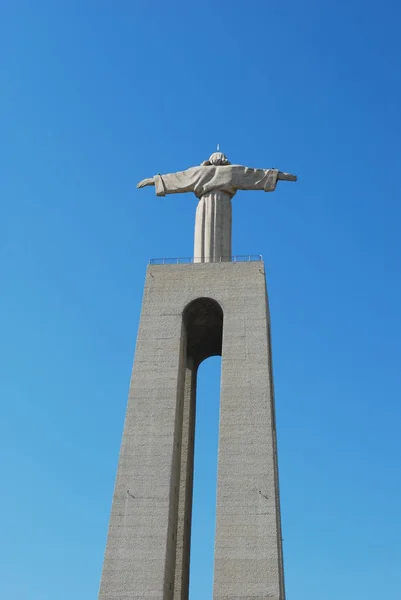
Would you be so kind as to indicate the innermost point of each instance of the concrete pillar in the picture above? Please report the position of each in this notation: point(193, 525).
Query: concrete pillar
point(191, 312)
point(186, 485)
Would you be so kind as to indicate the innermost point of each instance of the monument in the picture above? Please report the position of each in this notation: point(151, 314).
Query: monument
point(212, 306)
point(215, 186)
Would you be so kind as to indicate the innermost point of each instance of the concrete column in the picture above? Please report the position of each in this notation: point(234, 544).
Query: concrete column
point(248, 545)
point(186, 486)
point(141, 544)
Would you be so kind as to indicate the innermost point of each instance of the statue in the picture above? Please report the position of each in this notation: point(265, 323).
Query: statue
point(215, 182)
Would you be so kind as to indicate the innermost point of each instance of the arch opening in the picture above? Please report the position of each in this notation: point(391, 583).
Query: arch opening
point(203, 327)
point(203, 320)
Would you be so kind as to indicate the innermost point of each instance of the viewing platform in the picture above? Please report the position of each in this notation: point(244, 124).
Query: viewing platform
point(192, 259)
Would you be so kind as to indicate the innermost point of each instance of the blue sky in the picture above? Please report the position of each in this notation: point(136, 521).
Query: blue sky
point(97, 95)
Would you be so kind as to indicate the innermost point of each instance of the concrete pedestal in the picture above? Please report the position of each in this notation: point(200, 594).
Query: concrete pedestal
point(190, 312)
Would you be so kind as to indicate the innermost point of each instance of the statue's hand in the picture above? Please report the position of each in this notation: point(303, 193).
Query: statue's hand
point(145, 182)
point(286, 176)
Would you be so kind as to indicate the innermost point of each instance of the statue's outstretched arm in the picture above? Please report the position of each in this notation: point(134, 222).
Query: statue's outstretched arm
point(174, 183)
point(145, 182)
point(247, 178)
point(286, 176)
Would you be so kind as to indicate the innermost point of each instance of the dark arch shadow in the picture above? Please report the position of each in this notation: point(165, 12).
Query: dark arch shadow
point(203, 326)
point(203, 320)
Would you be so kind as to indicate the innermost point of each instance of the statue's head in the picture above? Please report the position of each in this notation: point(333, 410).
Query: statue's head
point(216, 159)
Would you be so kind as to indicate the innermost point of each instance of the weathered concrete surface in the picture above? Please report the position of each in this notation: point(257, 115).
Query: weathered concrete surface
point(147, 546)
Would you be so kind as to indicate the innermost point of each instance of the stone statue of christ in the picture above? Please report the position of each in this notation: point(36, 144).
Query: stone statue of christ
point(215, 182)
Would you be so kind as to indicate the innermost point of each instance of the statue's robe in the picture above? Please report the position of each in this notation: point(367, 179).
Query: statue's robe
point(215, 186)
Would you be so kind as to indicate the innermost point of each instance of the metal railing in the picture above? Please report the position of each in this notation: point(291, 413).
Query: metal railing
point(191, 259)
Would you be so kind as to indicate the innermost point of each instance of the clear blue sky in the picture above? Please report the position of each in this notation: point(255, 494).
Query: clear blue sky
point(96, 95)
